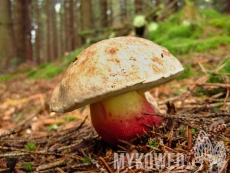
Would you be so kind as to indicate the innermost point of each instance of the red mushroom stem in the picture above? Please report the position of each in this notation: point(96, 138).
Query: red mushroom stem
point(123, 117)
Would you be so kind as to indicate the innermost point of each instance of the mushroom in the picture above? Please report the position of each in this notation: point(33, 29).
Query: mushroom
point(113, 76)
point(139, 23)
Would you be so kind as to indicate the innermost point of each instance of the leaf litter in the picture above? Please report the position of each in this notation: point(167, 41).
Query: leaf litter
point(33, 139)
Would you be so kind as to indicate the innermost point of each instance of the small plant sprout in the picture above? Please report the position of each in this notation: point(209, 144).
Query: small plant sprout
point(28, 167)
point(30, 146)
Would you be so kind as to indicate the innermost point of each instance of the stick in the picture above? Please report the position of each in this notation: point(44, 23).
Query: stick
point(105, 164)
point(214, 84)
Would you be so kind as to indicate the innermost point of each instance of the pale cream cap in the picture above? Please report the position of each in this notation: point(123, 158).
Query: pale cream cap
point(112, 67)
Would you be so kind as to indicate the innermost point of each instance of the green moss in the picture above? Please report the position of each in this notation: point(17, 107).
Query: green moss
point(221, 22)
point(200, 92)
point(45, 71)
point(30, 146)
point(228, 30)
point(185, 45)
point(182, 131)
point(210, 14)
point(69, 118)
point(215, 78)
point(177, 38)
point(28, 167)
point(49, 70)
point(217, 23)
point(226, 68)
point(178, 45)
point(86, 160)
point(5, 77)
point(180, 31)
point(193, 131)
point(193, 37)
point(52, 127)
point(153, 143)
point(66, 60)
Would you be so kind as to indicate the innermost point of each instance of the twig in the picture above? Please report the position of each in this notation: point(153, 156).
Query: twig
point(105, 164)
point(70, 146)
point(170, 135)
point(59, 170)
point(23, 152)
point(127, 143)
point(68, 134)
point(6, 170)
point(212, 105)
point(171, 99)
point(201, 79)
point(220, 67)
point(23, 122)
point(82, 123)
point(189, 138)
point(51, 165)
point(228, 74)
point(180, 116)
point(227, 96)
point(214, 84)
point(8, 134)
point(95, 163)
point(202, 68)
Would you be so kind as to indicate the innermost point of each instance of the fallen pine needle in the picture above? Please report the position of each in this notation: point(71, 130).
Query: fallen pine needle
point(105, 164)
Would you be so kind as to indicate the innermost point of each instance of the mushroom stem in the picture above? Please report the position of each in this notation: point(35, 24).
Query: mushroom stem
point(123, 117)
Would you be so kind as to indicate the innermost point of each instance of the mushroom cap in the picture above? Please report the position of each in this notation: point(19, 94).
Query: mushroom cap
point(112, 67)
point(139, 21)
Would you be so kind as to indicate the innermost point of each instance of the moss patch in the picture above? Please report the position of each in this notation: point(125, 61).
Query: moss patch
point(209, 32)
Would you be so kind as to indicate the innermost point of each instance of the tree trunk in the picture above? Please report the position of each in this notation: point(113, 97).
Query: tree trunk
point(29, 51)
point(104, 19)
point(157, 2)
point(71, 26)
point(123, 4)
point(22, 26)
point(7, 51)
point(67, 25)
point(138, 6)
point(77, 22)
point(130, 9)
point(228, 6)
point(53, 32)
point(38, 33)
point(48, 33)
point(62, 29)
point(174, 8)
point(86, 17)
point(116, 16)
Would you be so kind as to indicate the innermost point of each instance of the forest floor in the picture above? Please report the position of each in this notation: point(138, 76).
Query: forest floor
point(33, 139)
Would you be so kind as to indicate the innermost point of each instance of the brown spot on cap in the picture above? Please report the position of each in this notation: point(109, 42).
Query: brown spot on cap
point(165, 52)
point(132, 58)
point(88, 56)
point(111, 51)
point(156, 69)
point(157, 60)
point(114, 60)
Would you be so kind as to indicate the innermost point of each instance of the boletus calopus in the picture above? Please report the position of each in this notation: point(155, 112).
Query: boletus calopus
point(112, 76)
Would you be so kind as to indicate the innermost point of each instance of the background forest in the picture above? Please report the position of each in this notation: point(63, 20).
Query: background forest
point(39, 31)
